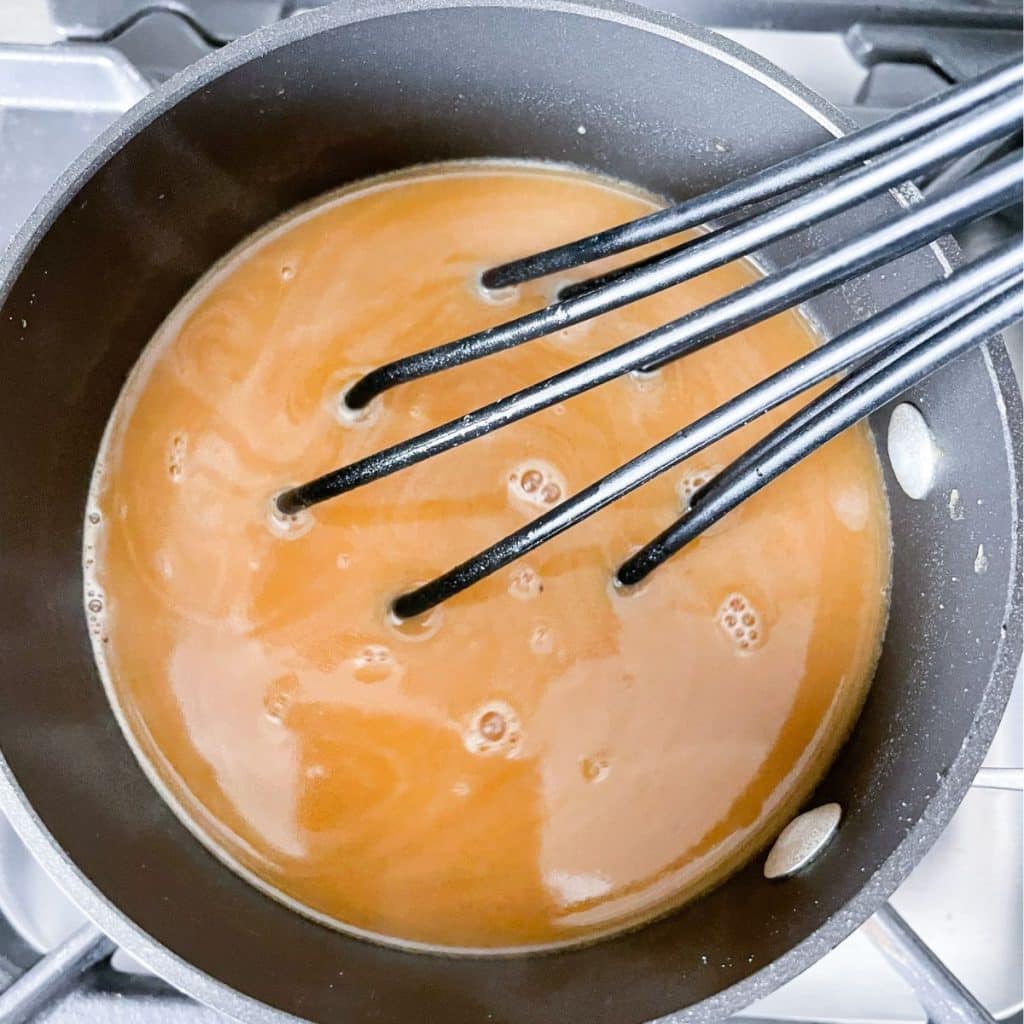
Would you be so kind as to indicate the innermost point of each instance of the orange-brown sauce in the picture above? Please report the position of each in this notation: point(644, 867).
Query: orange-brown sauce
point(544, 759)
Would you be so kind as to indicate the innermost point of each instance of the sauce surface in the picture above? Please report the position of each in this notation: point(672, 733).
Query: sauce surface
point(546, 758)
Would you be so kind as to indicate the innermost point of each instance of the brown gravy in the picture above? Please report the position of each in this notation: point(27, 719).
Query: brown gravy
point(545, 759)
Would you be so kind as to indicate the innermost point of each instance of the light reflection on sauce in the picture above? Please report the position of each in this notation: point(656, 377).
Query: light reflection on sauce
point(547, 759)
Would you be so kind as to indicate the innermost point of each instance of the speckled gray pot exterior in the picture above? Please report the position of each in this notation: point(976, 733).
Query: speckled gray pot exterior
point(270, 121)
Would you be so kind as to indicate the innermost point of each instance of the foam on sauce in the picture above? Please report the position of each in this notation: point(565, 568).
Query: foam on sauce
point(546, 758)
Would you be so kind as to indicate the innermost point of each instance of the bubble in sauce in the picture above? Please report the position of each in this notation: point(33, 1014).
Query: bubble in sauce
point(177, 451)
point(94, 607)
point(279, 697)
point(740, 621)
point(691, 482)
point(542, 640)
point(287, 526)
point(94, 518)
point(276, 710)
point(493, 729)
point(594, 769)
point(287, 272)
point(525, 583)
point(492, 726)
point(535, 485)
point(531, 481)
point(374, 664)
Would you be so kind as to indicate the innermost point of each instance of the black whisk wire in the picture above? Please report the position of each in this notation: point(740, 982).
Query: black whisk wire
point(910, 321)
point(878, 359)
point(750, 459)
point(981, 124)
point(989, 190)
point(864, 392)
point(795, 172)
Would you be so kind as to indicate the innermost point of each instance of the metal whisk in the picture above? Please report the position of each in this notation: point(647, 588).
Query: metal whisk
point(882, 357)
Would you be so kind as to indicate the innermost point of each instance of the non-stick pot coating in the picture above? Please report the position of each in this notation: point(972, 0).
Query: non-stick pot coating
point(273, 120)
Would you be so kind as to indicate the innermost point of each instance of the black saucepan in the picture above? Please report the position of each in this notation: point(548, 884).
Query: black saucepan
point(354, 90)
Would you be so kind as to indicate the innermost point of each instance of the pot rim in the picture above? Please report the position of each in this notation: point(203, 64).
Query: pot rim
point(876, 890)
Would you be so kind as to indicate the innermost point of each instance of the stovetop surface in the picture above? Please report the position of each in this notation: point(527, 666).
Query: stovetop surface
point(965, 898)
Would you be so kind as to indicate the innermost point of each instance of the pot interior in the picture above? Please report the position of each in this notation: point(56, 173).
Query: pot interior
point(332, 97)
